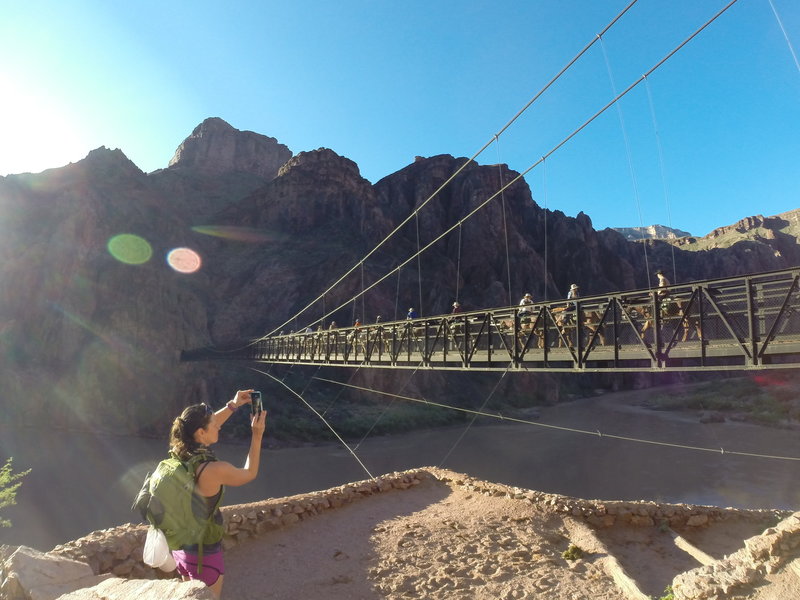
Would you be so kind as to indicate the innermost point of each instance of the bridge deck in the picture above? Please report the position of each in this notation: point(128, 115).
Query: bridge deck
point(750, 322)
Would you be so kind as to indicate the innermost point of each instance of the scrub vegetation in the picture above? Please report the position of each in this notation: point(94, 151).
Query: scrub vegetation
point(766, 399)
point(9, 483)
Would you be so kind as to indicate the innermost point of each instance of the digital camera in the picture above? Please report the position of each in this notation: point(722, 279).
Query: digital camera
point(256, 405)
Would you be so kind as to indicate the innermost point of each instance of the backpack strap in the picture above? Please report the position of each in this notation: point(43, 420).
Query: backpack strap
point(200, 470)
point(196, 465)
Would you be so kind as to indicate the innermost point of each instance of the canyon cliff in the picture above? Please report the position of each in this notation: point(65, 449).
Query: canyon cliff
point(90, 340)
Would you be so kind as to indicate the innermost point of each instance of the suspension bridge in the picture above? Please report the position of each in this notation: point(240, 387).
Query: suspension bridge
point(750, 322)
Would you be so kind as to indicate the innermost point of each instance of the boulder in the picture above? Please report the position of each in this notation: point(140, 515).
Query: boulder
point(143, 589)
point(36, 575)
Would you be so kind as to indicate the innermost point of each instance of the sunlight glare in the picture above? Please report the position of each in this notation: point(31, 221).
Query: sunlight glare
point(43, 132)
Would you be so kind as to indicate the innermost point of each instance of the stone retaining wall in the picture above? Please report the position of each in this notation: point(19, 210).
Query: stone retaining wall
point(609, 513)
point(119, 550)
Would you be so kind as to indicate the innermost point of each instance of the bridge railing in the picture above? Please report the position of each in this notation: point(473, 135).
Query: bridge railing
point(743, 322)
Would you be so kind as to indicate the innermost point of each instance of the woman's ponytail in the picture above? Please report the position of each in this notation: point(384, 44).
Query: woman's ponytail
point(181, 436)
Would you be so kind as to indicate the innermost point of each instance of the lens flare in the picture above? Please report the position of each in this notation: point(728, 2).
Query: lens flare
point(130, 249)
point(184, 260)
point(239, 234)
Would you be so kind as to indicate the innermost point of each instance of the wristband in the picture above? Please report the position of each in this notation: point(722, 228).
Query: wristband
point(231, 406)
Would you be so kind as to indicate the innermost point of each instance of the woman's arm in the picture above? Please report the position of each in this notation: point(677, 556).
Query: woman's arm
point(224, 473)
point(241, 398)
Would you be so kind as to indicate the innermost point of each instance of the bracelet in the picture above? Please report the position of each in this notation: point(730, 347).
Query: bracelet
point(231, 406)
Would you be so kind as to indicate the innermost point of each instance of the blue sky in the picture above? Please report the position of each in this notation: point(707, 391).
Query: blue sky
point(709, 138)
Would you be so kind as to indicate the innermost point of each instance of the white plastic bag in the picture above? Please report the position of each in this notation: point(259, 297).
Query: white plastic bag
point(156, 551)
point(168, 565)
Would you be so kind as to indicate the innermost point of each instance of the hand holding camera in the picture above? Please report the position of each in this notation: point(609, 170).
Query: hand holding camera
point(258, 420)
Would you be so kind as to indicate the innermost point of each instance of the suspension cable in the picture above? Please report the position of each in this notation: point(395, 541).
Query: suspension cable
point(629, 156)
point(458, 262)
point(419, 268)
point(468, 161)
point(397, 294)
point(341, 390)
point(575, 430)
point(310, 379)
point(552, 151)
point(472, 421)
point(661, 164)
point(358, 460)
point(785, 35)
point(386, 408)
point(544, 186)
point(363, 298)
point(505, 226)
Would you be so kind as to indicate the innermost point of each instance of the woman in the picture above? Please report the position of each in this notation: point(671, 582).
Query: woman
point(192, 433)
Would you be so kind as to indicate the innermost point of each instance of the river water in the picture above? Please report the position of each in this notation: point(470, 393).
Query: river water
point(82, 482)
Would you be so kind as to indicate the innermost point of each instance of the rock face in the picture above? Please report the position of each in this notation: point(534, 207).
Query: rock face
point(215, 147)
point(86, 332)
point(651, 232)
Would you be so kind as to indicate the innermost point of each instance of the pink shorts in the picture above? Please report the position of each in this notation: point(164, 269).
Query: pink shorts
point(213, 565)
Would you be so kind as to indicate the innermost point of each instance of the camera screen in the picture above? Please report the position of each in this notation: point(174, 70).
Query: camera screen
point(256, 406)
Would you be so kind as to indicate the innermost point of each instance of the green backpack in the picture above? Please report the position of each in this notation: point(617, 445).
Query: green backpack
point(169, 502)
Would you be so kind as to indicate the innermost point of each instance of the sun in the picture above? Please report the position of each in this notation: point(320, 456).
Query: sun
point(39, 130)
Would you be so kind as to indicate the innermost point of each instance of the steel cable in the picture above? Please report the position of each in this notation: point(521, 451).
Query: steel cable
point(595, 433)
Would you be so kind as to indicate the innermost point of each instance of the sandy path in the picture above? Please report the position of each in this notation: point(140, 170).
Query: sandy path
point(427, 542)
point(325, 557)
point(442, 539)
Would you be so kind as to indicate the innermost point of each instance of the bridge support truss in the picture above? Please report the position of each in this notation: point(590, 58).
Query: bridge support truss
point(749, 322)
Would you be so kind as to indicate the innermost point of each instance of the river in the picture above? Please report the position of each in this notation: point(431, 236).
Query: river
point(81, 482)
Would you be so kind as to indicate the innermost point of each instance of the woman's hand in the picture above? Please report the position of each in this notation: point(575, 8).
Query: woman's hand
point(242, 397)
point(259, 423)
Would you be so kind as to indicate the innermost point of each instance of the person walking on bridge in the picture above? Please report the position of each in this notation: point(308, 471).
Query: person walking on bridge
point(525, 312)
point(572, 294)
point(571, 309)
point(663, 283)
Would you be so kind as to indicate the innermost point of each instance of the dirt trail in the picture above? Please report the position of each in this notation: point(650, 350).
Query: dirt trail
point(441, 542)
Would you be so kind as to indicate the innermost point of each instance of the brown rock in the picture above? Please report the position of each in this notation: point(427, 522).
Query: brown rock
point(29, 569)
point(214, 147)
point(697, 520)
point(137, 589)
point(640, 521)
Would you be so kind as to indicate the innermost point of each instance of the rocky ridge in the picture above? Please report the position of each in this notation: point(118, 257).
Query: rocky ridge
point(214, 147)
point(651, 232)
